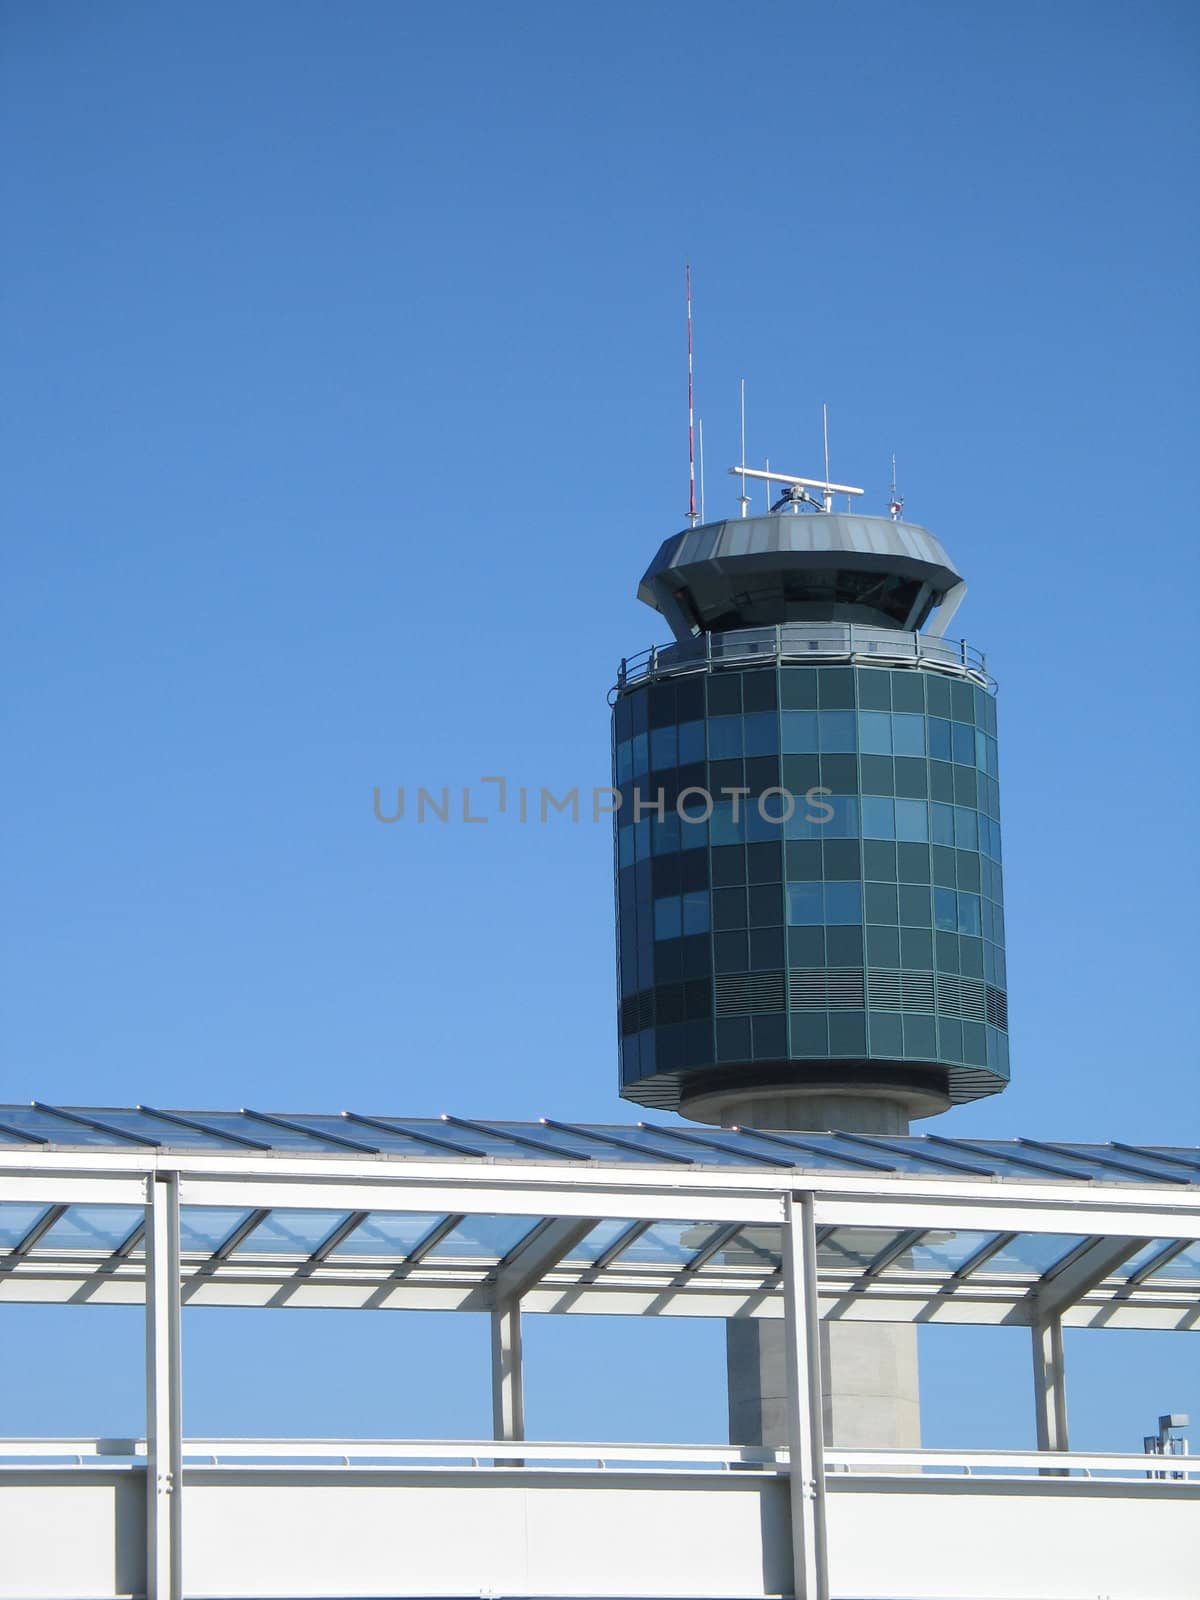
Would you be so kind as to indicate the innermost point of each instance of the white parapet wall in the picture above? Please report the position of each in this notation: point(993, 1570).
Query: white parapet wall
point(980, 1528)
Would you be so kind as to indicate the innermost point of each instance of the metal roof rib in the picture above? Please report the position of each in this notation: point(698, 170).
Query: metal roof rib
point(197, 1126)
point(604, 1136)
point(293, 1126)
point(528, 1140)
point(407, 1131)
point(81, 1120)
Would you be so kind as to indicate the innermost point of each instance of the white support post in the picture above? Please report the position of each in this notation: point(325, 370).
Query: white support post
point(164, 1407)
point(806, 1445)
point(508, 1383)
point(1049, 1384)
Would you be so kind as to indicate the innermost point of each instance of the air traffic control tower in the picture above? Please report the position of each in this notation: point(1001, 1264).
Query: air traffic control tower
point(809, 903)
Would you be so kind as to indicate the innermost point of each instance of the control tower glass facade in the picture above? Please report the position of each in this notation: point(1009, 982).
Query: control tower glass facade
point(808, 865)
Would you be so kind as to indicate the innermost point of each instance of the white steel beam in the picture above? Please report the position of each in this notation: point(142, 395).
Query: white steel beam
point(1050, 1384)
point(482, 1196)
point(544, 1250)
point(1085, 1272)
point(508, 1378)
point(164, 1401)
point(806, 1446)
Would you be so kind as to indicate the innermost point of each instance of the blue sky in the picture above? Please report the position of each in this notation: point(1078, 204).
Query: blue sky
point(344, 408)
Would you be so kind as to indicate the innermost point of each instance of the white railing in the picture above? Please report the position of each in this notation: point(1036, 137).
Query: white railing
point(803, 642)
point(455, 1454)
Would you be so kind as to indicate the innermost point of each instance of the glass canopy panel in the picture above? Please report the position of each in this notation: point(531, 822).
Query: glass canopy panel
point(591, 1148)
point(1011, 1160)
point(819, 1151)
point(484, 1238)
point(390, 1141)
point(495, 1142)
point(290, 1233)
point(204, 1229)
point(1186, 1265)
point(59, 1130)
point(719, 1147)
point(1031, 1253)
point(942, 1250)
point(671, 1244)
point(16, 1221)
point(1122, 1166)
point(602, 1237)
point(252, 1127)
point(428, 1138)
point(761, 1248)
point(91, 1228)
point(911, 1156)
point(391, 1234)
point(145, 1125)
point(854, 1248)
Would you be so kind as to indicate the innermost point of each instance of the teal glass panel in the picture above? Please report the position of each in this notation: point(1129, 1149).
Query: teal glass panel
point(886, 1033)
point(908, 735)
point(940, 744)
point(878, 817)
point(843, 903)
point(664, 748)
point(800, 736)
point(760, 733)
point(724, 738)
point(941, 822)
point(847, 1033)
point(836, 730)
point(874, 690)
point(908, 691)
point(881, 903)
point(798, 688)
point(805, 905)
point(835, 686)
point(641, 754)
point(962, 740)
point(695, 912)
point(912, 821)
point(883, 947)
point(668, 917)
point(722, 829)
point(875, 732)
point(691, 743)
point(945, 910)
point(624, 762)
point(914, 906)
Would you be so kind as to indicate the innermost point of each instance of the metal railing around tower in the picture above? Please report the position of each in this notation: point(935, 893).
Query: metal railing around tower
point(793, 643)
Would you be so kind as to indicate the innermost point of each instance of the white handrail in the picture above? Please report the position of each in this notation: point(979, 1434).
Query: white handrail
point(347, 1452)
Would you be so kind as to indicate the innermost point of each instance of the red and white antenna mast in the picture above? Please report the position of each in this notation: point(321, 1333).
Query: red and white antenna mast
point(691, 412)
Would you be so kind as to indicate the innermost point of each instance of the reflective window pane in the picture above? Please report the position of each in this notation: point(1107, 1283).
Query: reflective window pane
point(875, 732)
point(912, 820)
point(908, 735)
point(691, 743)
point(945, 910)
point(805, 906)
point(836, 730)
point(724, 738)
point(664, 750)
point(843, 903)
point(878, 817)
point(668, 917)
point(800, 732)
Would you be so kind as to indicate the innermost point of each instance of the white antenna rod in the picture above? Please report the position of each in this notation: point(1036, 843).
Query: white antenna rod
point(766, 475)
point(701, 427)
point(825, 428)
point(895, 504)
point(691, 411)
point(743, 498)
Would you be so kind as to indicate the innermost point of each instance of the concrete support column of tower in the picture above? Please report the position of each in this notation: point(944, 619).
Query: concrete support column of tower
point(868, 1369)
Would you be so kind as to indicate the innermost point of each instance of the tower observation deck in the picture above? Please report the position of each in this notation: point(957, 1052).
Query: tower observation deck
point(809, 896)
